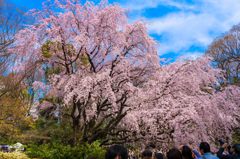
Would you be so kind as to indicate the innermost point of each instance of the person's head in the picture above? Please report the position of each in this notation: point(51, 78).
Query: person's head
point(174, 153)
point(158, 155)
point(204, 147)
point(236, 149)
point(117, 152)
point(150, 146)
point(147, 154)
point(187, 152)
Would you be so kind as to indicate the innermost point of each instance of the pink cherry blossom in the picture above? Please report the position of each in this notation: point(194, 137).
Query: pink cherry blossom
point(107, 71)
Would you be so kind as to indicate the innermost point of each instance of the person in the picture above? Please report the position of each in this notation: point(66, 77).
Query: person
point(197, 155)
point(236, 151)
point(223, 152)
point(158, 155)
point(116, 152)
point(205, 151)
point(174, 153)
point(233, 152)
point(187, 152)
point(147, 154)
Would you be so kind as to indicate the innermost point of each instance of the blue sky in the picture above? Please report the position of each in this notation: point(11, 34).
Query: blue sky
point(182, 28)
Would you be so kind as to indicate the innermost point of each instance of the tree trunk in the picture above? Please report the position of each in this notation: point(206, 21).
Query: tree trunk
point(75, 121)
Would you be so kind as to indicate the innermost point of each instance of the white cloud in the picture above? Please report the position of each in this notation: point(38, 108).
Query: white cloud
point(190, 56)
point(196, 24)
point(180, 31)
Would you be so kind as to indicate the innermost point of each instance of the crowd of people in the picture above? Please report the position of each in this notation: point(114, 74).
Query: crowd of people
point(183, 152)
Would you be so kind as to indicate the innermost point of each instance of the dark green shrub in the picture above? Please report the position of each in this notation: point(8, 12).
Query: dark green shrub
point(59, 151)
